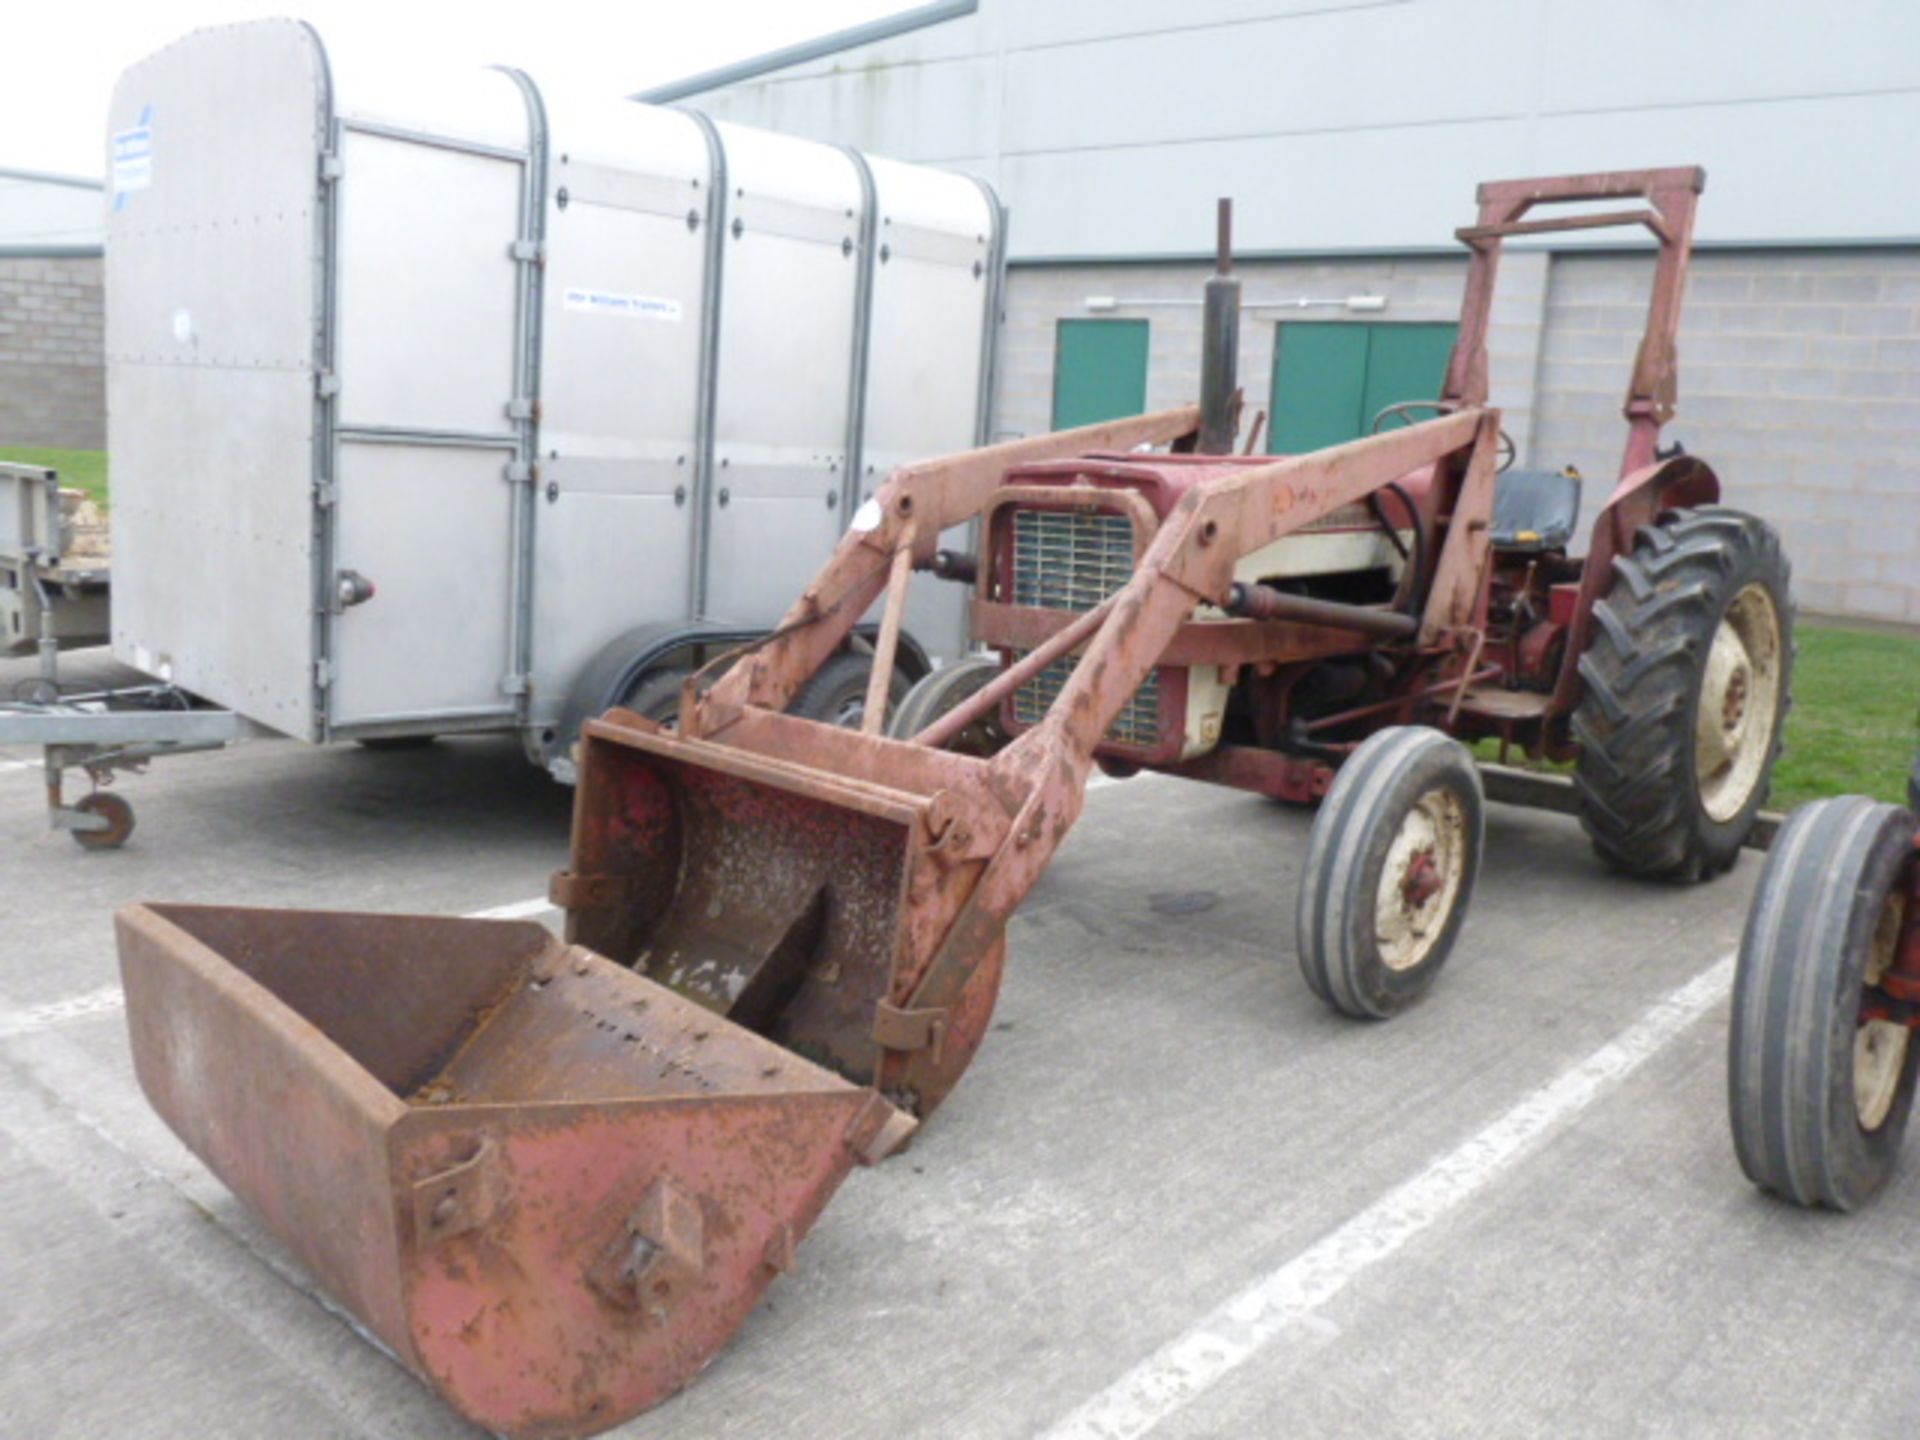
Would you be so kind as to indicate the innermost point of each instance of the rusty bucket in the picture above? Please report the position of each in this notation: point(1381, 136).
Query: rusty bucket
point(552, 1186)
point(819, 903)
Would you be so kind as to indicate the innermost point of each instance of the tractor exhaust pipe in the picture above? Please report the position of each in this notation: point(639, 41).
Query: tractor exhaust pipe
point(1220, 346)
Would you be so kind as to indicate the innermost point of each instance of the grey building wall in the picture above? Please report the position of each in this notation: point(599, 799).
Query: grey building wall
point(1343, 128)
point(52, 361)
point(1799, 383)
point(1799, 377)
point(42, 211)
point(1109, 126)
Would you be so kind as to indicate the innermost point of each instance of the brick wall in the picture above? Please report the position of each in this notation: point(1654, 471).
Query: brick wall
point(52, 368)
point(1799, 382)
point(1799, 377)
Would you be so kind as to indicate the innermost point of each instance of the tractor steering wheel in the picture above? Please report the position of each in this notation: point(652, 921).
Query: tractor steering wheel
point(1401, 410)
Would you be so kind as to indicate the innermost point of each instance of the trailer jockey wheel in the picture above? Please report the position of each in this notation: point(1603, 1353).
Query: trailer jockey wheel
point(112, 808)
point(937, 694)
point(1820, 1062)
point(1390, 871)
point(1685, 694)
point(837, 693)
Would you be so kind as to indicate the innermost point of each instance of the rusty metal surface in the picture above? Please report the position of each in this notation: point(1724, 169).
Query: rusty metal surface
point(793, 898)
point(1198, 642)
point(1673, 195)
point(1264, 602)
point(552, 1187)
point(1265, 772)
point(947, 491)
point(1647, 485)
point(1637, 500)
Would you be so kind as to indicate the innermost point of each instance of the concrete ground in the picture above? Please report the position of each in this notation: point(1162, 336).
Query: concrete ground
point(1174, 1195)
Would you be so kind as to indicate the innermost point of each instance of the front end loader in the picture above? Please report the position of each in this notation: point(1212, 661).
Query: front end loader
point(553, 1176)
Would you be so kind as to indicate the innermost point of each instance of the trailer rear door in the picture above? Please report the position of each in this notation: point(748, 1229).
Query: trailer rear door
point(430, 351)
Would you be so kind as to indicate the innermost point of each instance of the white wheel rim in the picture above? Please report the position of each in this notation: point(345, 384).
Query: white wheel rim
point(1421, 881)
point(1880, 1046)
point(1739, 703)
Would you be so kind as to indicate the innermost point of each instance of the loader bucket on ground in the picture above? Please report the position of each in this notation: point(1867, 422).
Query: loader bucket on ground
point(551, 1186)
point(801, 900)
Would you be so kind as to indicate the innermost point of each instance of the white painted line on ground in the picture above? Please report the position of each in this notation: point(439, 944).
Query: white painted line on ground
point(6, 765)
point(72, 1097)
point(108, 997)
point(1220, 1343)
point(58, 1012)
point(518, 910)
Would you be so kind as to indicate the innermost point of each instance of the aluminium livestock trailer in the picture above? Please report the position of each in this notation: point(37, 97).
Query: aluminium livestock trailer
point(449, 403)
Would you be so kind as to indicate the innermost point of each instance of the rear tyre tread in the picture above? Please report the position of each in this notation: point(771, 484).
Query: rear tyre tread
point(1641, 678)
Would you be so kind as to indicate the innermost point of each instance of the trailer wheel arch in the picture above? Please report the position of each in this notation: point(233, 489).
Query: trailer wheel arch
point(618, 666)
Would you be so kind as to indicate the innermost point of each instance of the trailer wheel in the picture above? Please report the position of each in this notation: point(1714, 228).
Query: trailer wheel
point(1818, 1098)
point(937, 694)
point(837, 693)
point(1390, 870)
point(656, 694)
point(115, 810)
point(1686, 691)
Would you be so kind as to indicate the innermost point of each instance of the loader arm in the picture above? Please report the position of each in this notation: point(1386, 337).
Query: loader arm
point(752, 816)
point(916, 503)
point(1189, 563)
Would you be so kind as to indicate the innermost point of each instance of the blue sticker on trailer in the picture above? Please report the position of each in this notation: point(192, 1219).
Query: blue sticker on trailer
point(133, 158)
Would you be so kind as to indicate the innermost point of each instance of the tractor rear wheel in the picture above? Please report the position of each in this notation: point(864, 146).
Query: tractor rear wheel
point(1390, 869)
point(1819, 1097)
point(1686, 690)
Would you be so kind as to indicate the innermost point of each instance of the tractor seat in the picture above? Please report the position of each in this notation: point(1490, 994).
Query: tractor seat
point(1535, 510)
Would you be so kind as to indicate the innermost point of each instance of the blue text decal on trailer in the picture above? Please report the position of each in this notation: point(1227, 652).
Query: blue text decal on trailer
point(609, 302)
point(133, 158)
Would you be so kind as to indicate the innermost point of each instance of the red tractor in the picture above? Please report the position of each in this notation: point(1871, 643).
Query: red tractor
point(1439, 596)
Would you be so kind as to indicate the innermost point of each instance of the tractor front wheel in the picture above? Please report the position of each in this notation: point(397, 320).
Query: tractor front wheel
point(1819, 1085)
point(933, 697)
point(1390, 869)
point(1685, 693)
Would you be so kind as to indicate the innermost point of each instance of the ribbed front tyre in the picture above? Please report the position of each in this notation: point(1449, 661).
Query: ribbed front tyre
point(1390, 868)
point(1819, 1085)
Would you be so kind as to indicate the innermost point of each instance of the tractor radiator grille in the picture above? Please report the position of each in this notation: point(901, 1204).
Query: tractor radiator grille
point(1072, 560)
point(1138, 722)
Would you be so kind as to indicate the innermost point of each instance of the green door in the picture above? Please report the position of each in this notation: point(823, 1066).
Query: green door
point(1331, 378)
point(1099, 371)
